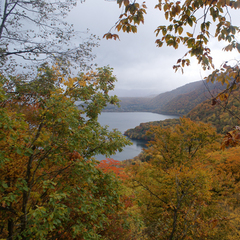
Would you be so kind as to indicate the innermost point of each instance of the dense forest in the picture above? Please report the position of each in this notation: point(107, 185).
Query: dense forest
point(184, 184)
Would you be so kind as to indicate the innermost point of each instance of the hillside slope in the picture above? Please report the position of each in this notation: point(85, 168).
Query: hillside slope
point(162, 99)
point(223, 115)
point(176, 102)
point(183, 103)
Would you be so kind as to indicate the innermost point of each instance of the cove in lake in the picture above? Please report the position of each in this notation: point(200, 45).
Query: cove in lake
point(123, 121)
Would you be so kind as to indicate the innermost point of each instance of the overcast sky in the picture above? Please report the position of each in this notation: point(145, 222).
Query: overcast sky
point(140, 67)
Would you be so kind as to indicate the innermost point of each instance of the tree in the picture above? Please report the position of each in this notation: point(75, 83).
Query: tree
point(127, 222)
point(36, 31)
point(174, 187)
point(50, 186)
point(226, 167)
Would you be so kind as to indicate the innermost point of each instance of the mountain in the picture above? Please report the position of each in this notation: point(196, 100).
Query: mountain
point(176, 102)
point(183, 103)
point(162, 99)
point(222, 115)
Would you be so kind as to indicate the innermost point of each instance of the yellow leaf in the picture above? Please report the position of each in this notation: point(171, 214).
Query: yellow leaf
point(180, 30)
point(189, 34)
point(82, 83)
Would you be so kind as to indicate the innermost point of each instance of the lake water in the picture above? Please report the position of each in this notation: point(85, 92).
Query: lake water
point(123, 121)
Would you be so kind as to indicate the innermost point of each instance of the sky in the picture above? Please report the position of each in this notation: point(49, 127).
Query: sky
point(142, 69)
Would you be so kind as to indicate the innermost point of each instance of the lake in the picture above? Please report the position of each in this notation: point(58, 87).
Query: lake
point(123, 121)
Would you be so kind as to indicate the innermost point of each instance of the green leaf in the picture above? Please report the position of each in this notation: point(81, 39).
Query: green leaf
point(4, 185)
point(19, 151)
point(190, 22)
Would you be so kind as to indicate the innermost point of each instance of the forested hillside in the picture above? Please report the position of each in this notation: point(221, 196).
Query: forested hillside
point(184, 173)
point(162, 99)
point(222, 115)
point(183, 103)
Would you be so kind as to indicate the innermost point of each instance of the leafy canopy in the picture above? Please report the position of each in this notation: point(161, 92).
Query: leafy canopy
point(174, 184)
point(50, 187)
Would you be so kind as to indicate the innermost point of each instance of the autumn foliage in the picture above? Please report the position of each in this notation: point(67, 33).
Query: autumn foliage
point(50, 186)
point(110, 165)
point(183, 187)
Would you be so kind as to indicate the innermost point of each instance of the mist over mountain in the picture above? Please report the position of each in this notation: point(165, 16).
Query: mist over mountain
point(222, 115)
point(122, 93)
point(176, 102)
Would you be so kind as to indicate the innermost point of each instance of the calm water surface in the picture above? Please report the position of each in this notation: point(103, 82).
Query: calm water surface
point(123, 121)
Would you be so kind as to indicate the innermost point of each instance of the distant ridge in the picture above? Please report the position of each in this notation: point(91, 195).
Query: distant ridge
point(176, 102)
point(162, 99)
